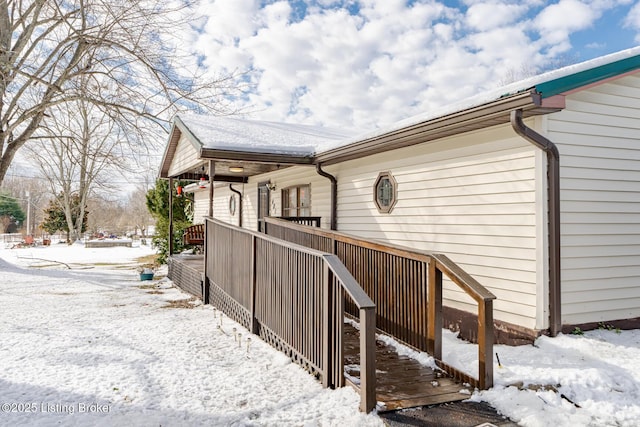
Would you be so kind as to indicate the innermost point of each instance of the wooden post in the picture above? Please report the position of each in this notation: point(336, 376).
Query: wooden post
point(170, 216)
point(212, 174)
point(254, 321)
point(485, 344)
point(327, 363)
point(338, 334)
point(367, 359)
point(205, 282)
point(434, 311)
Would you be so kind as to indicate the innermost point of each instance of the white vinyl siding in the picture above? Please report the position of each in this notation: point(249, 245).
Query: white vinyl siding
point(472, 197)
point(221, 203)
point(598, 136)
point(201, 205)
point(221, 211)
point(286, 177)
point(320, 189)
point(185, 158)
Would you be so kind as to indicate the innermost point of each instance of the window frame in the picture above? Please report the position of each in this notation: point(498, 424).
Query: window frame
point(232, 205)
point(288, 211)
point(382, 206)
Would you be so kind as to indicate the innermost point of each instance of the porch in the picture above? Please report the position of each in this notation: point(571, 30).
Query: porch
point(187, 272)
point(297, 298)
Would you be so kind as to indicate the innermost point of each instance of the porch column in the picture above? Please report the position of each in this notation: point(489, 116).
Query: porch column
point(212, 173)
point(170, 216)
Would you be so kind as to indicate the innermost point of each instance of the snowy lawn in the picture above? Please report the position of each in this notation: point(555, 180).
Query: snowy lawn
point(98, 347)
point(95, 346)
point(570, 380)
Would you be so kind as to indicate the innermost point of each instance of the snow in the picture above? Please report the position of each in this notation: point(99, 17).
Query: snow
point(541, 384)
point(93, 336)
point(225, 133)
point(93, 345)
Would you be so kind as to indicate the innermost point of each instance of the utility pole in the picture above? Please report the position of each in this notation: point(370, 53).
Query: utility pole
point(28, 213)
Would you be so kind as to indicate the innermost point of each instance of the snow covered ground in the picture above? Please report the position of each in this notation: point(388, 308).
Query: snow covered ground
point(92, 345)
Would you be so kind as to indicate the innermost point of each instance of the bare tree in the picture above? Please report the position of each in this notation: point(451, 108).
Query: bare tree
point(105, 215)
point(137, 212)
point(119, 55)
point(86, 147)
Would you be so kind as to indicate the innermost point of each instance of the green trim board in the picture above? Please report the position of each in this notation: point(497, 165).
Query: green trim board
point(587, 77)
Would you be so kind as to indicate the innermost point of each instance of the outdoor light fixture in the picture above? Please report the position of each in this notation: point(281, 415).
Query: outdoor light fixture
point(203, 182)
point(236, 169)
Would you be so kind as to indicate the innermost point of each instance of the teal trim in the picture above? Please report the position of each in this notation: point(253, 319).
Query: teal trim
point(583, 78)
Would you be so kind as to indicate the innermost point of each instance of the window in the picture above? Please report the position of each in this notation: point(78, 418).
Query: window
point(384, 192)
point(296, 201)
point(232, 205)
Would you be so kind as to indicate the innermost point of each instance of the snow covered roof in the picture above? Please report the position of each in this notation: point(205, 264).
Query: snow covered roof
point(226, 133)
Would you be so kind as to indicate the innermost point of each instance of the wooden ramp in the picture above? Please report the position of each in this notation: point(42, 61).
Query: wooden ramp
point(401, 382)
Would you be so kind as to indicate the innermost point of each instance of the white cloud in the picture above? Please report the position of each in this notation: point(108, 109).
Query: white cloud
point(632, 20)
point(595, 45)
point(490, 15)
point(557, 21)
point(389, 61)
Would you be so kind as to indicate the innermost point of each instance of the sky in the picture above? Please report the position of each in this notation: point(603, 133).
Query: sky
point(362, 65)
point(146, 354)
point(366, 64)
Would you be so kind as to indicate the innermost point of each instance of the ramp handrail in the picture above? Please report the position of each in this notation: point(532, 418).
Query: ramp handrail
point(287, 294)
point(402, 281)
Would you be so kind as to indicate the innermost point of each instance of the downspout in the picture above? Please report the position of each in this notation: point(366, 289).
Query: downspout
point(240, 207)
point(553, 194)
point(334, 196)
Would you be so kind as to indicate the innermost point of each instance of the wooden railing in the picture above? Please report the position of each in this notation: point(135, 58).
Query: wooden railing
point(313, 221)
point(293, 297)
point(406, 286)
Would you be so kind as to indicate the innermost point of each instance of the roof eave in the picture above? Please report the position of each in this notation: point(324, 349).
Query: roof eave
point(254, 157)
point(169, 151)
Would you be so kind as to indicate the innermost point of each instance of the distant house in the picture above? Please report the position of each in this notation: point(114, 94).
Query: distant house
point(534, 189)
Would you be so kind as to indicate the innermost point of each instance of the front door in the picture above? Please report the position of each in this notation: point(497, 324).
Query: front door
point(263, 205)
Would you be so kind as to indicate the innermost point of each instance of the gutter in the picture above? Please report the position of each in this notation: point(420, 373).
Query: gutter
point(239, 207)
point(334, 195)
point(553, 194)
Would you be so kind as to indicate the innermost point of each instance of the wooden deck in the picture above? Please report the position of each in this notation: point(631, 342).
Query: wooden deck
point(401, 382)
point(107, 243)
point(187, 272)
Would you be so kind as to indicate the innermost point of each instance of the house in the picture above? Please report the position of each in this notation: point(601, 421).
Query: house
point(533, 189)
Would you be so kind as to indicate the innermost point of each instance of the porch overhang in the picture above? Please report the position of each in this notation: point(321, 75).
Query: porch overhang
point(233, 162)
point(245, 164)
